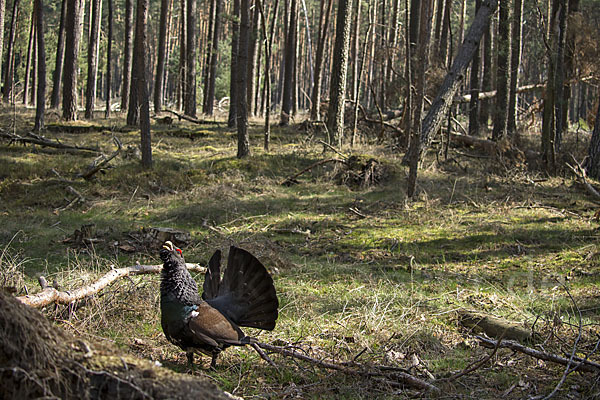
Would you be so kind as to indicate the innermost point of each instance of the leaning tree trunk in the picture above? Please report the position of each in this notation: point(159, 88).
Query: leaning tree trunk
point(60, 56)
point(73, 34)
point(337, 89)
point(235, 34)
point(109, 58)
point(502, 73)
point(41, 67)
point(10, 57)
point(443, 100)
point(290, 54)
point(128, 55)
point(323, 27)
point(242, 67)
point(140, 52)
point(160, 62)
point(191, 45)
point(92, 62)
point(592, 164)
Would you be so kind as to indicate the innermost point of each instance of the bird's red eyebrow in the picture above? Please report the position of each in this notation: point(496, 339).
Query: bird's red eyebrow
point(179, 251)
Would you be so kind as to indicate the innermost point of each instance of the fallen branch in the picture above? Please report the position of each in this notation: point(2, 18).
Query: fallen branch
point(101, 161)
point(584, 365)
point(397, 375)
point(486, 145)
point(50, 295)
point(191, 119)
point(579, 172)
point(44, 142)
point(292, 179)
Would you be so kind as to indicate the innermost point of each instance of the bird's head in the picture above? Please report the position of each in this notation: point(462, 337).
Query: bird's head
point(170, 252)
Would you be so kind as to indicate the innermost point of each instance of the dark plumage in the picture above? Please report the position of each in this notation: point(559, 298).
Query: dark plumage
point(211, 323)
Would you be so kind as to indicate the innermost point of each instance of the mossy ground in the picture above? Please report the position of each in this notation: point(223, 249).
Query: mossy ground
point(359, 271)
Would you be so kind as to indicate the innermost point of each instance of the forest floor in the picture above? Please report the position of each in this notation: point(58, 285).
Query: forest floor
point(362, 273)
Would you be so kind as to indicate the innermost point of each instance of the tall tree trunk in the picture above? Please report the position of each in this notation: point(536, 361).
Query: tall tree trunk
point(191, 45)
point(92, 64)
point(488, 73)
point(128, 55)
point(268, 50)
point(420, 70)
point(443, 44)
point(325, 12)
point(73, 33)
point(208, 56)
point(160, 62)
point(141, 81)
point(41, 67)
point(235, 34)
point(415, 19)
point(337, 89)
point(30, 54)
point(2, 15)
point(242, 65)
point(10, 56)
point(548, 129)
point(252, 59)
point(34, 67)
point(560, 102)
point(503, 72)
point(515, 62)
point(475, 88)
point(290, 54)
point(60, 56)
point(214, 57)
point(592, 164)
point(109, 57)
point(182, 54)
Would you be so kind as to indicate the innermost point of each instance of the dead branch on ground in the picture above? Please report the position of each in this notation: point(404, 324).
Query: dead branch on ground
point(191, 119)
point(291, 180)
point(101, 161)
point(581, 175)
point(50, 295)
point(359, 370)
point(42, 141)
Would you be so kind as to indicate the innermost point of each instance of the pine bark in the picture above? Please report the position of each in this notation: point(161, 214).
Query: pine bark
point(41, 67)
point(560, 101)
point(182, 54)
point(214, 57)
point(475, 87)
point(290, 55)
point(30, 55)
point(503, 72)
point(10, 56)
point(252, 59)
point(60, 56)
point(109, 58)
point(160, 62)
point(140, 51)
point(191, 46)
point(73, 34)
point(487, 84)
point(325, 12)
point(592, 165)
point(337, 89)
point(515, 62)
point(92, 63)
point(128, 55)
point(2, 15)
point(235, 34)
point(242, 68)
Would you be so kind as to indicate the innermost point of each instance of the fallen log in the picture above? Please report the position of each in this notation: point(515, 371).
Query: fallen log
point(578, 362)
point(44, 142)
point(466, 98)
point(493, 326)
point(191, 119)
point(50, 295)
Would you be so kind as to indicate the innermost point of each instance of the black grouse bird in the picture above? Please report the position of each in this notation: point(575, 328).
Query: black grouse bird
point(211, 323)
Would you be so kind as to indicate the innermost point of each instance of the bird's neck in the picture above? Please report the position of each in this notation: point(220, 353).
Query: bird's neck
point(178, 283)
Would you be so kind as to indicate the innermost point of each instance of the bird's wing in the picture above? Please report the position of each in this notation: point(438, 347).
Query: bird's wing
point(213, 328)
point(212, 278)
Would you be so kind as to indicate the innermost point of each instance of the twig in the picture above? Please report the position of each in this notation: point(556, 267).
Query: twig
point(50, 295)
point(344, 156)
point(579, 172)
point(292, 179)
point(101, 161)
point(474, 366)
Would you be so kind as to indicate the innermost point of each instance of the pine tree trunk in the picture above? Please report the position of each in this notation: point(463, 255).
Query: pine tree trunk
point(443, 46)
point(235, 34)
point(128, 55)
point(290, 53)
point(592, 165)
point(242, 65)
point(415, 20)
point(214, 57)
point(182, 54)
point(560, 103)
point(337, 90)
point(140, 51)
point(60, 56)
point(160, 62)
point(92, 64)
point(488, 73)
point(41, 67)
point(34, 67)
point(252, 54)
point(324, 14)
point(502, 72)
point(191, 45)
point(475, 87)
point(2, 15)
point(73, 33)
point(29, 57)
point(109, 58)
point(10, 56)
point(208, 56)
point(515, 62)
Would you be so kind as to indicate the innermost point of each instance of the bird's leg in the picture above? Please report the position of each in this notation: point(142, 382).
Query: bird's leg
point(190, 358)
point(213, 362)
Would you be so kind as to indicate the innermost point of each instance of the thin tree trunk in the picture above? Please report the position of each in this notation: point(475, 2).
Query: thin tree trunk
point(420, 70)
point(487, 80)
point(109, 57)
point(415, 19)
point(290, 53)
point(141, 81)
point(252, 60)
point(10, 56)
point(30, 54)
point(235, 34)
point(182, 54)
point(90, 92)
point(128, 55)
point(2, 15)
point(268, 51)
point(515, 62)
point(443, 45)
point(160, 62)
point(191, 45)
point(592, 165)
point(214, 57)
point(324, 14)
point(208, 57)
point(41, 67)
point(60, 56)
point(73, 33)
point(475, 89)
point(34, 67)
point(560, 102)
point(337, 91)
point(503, 72)
point(242, 111)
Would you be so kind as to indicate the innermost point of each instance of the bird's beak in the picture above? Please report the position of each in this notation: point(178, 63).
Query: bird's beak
point(168, 246)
